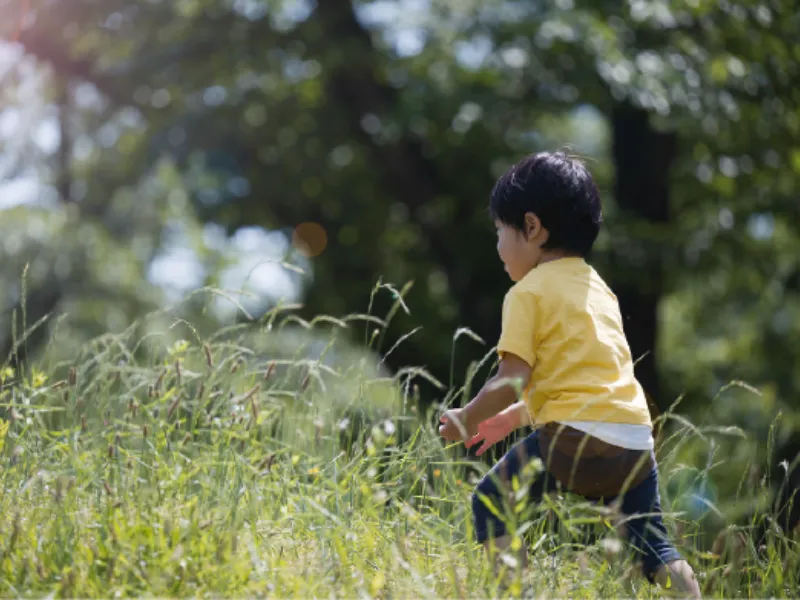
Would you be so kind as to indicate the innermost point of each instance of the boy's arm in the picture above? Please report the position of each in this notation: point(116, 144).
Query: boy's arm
point(497, 395)
point(499, 392)
point(517, 415)
point(500, 427)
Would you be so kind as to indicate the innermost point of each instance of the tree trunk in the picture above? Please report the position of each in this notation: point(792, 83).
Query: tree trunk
point(354, 85)
point(643, 158)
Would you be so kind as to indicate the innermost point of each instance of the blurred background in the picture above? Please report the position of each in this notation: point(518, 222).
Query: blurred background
point(290, 150)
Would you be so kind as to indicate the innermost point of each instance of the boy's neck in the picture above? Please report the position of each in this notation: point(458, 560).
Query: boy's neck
point(551, 255)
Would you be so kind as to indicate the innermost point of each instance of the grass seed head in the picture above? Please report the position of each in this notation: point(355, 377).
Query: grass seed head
point(254, 408)
point(173, 407)
point(157, 385)
point(270, 369)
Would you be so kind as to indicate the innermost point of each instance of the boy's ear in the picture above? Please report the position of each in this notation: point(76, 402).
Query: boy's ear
point(533, 226)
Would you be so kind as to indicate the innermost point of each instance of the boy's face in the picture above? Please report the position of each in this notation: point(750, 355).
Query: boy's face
point(520, 251)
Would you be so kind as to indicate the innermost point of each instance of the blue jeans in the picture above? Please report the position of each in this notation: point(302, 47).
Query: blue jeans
point(647, 532)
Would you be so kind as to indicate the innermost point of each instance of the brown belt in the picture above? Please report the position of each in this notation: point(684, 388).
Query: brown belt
point(588, 466)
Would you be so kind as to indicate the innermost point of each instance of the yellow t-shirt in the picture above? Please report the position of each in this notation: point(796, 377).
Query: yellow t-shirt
point(565, 322)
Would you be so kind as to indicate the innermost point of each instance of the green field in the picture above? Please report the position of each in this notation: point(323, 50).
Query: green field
point(275, 460)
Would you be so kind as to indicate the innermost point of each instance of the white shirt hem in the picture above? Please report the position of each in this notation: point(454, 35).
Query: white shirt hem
point(630, 437)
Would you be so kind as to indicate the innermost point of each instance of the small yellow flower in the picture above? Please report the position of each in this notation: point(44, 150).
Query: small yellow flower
point(436, 473)
point(458, 482)
point(39, 379)
point(3, 432)
point(7, 373)
point(313, 471)
point(179, 347)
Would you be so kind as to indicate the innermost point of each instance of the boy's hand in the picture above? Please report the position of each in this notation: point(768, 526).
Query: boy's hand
point(497, 395)
point(493, 430)
point(454, 426)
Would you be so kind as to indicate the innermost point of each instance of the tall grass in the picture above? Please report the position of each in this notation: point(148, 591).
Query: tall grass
point(278, 460)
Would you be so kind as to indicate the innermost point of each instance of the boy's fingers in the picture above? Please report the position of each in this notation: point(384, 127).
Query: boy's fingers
point(474, 440)
point(487, 443)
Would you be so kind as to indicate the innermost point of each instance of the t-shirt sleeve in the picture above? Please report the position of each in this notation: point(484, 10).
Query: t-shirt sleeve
point(519, 326)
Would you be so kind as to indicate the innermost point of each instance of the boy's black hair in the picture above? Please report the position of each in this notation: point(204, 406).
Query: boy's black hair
point(557, 189)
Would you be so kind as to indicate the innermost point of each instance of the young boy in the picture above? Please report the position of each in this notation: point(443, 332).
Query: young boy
point(562, 337)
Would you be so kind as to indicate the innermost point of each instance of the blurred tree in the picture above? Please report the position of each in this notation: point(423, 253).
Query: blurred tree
point(387, 122)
